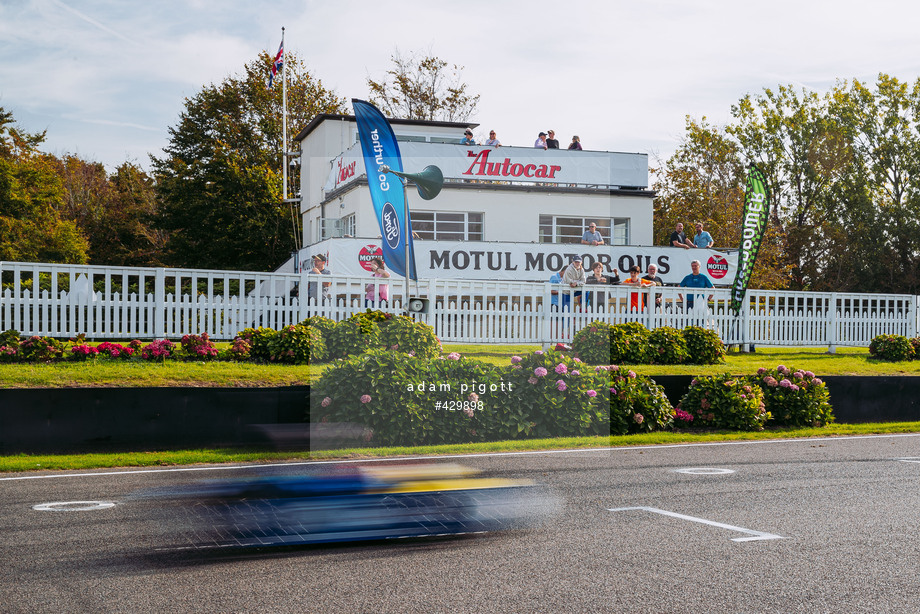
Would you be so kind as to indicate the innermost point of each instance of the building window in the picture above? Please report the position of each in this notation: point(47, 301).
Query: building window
point(447, 225)
point(348, 225)
point(564, 229)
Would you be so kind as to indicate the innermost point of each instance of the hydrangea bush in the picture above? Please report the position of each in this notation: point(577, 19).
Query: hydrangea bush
point(704, 347)
point(637, 403)
point(297, 344)
point(259, 340)
point(592, 343)
point(198, 347)
point(794, 397)
point(667, 346)
point(895, 348)
point(629, 344)
point(725, 402)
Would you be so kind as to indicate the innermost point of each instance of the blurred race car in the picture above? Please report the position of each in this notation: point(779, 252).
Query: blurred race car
point(370, 504)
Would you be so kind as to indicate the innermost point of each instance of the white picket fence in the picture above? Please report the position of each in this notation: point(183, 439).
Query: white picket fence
point(152, 303)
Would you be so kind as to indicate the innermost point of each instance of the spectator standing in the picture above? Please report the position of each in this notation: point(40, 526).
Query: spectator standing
point(493, 141)
point(652, 276)
point(551, 142)
point(576, 143)
point(597, 277)
point(592, 236)
point(702, 239)
point(540, 143)
point(378, 271)
point(467, 138)
point(319, 268)
point(636, 299)
point(695, 280)
point(556, 278)
point(679, 239)
point(574, 277)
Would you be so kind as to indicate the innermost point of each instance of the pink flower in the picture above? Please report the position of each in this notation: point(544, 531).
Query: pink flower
point(770, 381)
point(560, 385)
point(613, 390)
point(474, 398)
point(453, 356)
point(516, 359)
point(639, 418)
point(561, 368)
point(591, 393)
point(682, 415)
point(365, 398)
point(705, 404)
point(794, 388)
point(798, 375)
point(817, 381)
point(532, 380)
point(809, 374)
point(326, 402)
point(761, 371)
point(539, 371)
point(576, 372)
point(539, 352)
point(785, 383)
point(632, 374)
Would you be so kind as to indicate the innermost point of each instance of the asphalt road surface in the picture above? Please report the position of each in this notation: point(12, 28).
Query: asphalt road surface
point(822, 525)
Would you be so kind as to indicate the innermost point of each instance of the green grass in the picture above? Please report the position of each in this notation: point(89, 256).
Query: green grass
point(104, 372)
point(29, 462)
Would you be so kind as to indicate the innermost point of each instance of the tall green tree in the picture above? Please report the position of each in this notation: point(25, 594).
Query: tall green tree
point(425, 87)
point(31, 197)
point(115, 212)
point(704, 180)
point(220, 180)
point(803, 151)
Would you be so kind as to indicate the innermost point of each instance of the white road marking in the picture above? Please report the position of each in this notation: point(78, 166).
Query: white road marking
point(704, 471)
point(754, 535)
point(73, 506)
point(453, 456)
point(909, 459)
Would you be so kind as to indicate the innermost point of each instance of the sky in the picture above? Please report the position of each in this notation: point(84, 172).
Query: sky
point(107, 79)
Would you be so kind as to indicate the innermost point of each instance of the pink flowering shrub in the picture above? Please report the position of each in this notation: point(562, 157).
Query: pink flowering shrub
point(725, 402)
point(84, 351)
point(794, 397)
point(199, 347)
point(158, 350)
point(114, 350)
point(637, 403)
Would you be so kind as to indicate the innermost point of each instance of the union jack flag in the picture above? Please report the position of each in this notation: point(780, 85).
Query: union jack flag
point(277, 64)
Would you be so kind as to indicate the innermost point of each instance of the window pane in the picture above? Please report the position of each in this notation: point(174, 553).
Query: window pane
point(450, 217)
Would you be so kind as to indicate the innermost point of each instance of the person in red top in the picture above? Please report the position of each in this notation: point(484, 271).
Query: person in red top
point(637, 299)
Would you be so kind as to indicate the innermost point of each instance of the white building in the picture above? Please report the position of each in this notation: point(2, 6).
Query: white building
point(515, 213)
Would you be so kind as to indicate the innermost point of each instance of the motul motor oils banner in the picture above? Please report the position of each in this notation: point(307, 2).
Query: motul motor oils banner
point(525, 261)
point(507, 164)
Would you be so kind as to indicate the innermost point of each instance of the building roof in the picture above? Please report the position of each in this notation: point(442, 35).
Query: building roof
point(401, 122)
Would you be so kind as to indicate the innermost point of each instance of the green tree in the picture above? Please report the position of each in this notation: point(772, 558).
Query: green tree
point(705, 181)
point(115, 212)
point(423, 87)
point(31, 197)
point(803, 151)
point(220, 180)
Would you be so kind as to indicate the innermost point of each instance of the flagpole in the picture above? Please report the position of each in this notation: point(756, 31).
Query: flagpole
point(284, 147)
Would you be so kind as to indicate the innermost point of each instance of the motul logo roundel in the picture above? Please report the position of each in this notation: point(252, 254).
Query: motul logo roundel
point(481, 167)
point(368, 253)
point(717, 266)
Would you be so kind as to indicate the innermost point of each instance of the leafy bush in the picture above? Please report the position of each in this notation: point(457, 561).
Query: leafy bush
point(198, 347)
point(404, 334)
point(258, 340)
point(321, 323)
point(637, 404)
point(667, 346)
point(9, 346)
point(40, 349)
point(895, 348)
point(629, 343)
point(84, 352)
point(726, 402)
point(297, 344)
point(158, 350)
point(238, 350)
point(592, 343)
point(355, 335)
point(551, 395)
point(794, 397)
point(372, 389)
point(115, 350)
point(703, 346)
